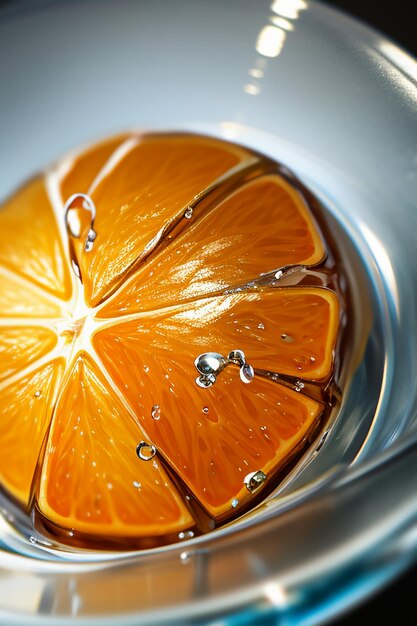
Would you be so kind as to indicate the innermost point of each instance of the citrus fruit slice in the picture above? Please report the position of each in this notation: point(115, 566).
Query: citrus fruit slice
point(167, 338)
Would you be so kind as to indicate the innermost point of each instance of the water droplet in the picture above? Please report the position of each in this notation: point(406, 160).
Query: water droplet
point(261, 326)
point(188, 213)
point(254, 480)
point(237, 356)
point(246, 373)
point(205, 381)
point(37, 394)
point(287, 338)
point(146, 369)
point(234, 502)
point(156, 412)
point(210, 363)
point(205, 409)
point(313, 359)
point(145, 451)
point(137, 485)
point(184, 556)
point(187, 534)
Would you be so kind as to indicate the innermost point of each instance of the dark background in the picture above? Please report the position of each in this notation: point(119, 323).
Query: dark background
point(395, 19)
point(398, 602)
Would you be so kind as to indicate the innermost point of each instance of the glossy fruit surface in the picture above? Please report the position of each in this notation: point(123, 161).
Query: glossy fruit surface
point(202, 247)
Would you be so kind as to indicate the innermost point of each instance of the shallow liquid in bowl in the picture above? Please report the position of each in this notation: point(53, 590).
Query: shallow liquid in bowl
point(172, 326)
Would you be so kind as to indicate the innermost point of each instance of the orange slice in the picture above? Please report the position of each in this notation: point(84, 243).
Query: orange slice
point(30, 244)
point(92, 479)
point(142, 192)
point(21, 346)
point(110, 436)
point(261, 227)
point(19, 299)
point(25, 408)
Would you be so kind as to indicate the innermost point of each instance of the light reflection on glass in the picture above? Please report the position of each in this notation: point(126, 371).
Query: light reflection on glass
point(399, 58)
point(276, 594)
point(251, 89)
point(271, 39)
point(384, 263)
point(288, 8)
point(281, 22)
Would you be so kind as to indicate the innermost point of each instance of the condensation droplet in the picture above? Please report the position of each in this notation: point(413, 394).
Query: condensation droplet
point(186, 534)
point(188, 213)
point(254, 480)
point(298, 385)
point(145, 451)
point(246, 373)
point(156, 412)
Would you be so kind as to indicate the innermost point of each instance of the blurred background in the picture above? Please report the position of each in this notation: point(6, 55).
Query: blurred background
point(398, 601)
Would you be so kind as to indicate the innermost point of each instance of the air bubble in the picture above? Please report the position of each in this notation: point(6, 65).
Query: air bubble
point(298, 385)
point(205, 409)
point(261, 326)
point(137, 485)
point(188, 213)
point(146, 369)
point(37, 394)
point(234, 502)
point(156, 412)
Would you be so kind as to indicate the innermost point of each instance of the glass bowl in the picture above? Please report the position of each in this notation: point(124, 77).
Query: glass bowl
point(336, 103)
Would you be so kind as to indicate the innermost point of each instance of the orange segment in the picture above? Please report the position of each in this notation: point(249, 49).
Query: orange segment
point(92, 479)
point(145, 193)
point(265, 225)
point(20, 299)
point(290, 331)
point(30, 243)
point(86, 165)
point(212, 437)
point(25, 411)
point(21, 346)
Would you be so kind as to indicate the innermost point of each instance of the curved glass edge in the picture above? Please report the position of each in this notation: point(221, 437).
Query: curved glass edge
point(331, 551)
